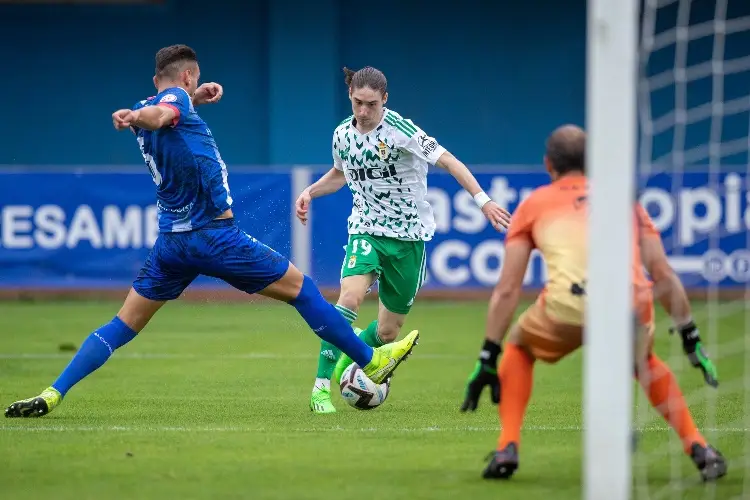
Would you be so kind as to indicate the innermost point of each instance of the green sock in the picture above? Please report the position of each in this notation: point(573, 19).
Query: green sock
point(329, 353)
point(370, 335)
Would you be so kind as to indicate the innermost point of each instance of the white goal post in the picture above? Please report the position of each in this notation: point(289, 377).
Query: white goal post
point(611, 106)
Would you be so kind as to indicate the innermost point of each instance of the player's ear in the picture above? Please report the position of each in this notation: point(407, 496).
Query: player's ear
point(156, 82)
point(385, 98)
point(548, 167)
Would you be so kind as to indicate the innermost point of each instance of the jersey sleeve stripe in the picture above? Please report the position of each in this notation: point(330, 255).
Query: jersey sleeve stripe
point(392, 119)
point(407, 132)
point(400, 125)
point(409, 126)
point(176, 118)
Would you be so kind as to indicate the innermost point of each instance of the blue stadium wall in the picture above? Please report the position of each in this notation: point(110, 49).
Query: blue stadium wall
point(482, 79)
point(488, 80)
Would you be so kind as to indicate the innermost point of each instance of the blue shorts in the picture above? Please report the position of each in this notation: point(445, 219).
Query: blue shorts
point(219, 249)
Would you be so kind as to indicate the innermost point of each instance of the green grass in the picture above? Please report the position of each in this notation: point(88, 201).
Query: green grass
point(211, 402)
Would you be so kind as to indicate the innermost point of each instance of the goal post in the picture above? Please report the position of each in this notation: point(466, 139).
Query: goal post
point(612, 56)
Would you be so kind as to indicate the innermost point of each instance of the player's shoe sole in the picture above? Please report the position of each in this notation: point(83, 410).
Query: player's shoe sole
point(503, 463)
point(709, 461)
point(391, 356)
point(34, 407)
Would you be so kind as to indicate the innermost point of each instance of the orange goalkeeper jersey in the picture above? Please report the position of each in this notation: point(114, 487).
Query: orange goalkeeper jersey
point(554, 220)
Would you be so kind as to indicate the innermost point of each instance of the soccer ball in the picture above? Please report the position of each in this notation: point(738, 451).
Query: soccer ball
point(359, 391)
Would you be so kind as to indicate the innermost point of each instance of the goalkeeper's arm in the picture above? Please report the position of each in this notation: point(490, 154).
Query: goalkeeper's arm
point(500, 313)
point(670, 293)
point(668, 289)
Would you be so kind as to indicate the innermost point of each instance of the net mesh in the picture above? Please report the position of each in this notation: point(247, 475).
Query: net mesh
point(693, 151)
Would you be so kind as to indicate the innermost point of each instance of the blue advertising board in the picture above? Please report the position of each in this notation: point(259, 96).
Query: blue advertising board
point(93, 228)
point(703, 219)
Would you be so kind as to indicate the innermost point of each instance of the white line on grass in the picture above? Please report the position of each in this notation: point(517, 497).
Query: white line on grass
point(313, 430)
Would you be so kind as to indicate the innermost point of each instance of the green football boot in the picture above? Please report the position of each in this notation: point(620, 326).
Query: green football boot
point(35, 407)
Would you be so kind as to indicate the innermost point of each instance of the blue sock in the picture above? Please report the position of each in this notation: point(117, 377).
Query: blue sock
point(329, 324)
point(94, 352)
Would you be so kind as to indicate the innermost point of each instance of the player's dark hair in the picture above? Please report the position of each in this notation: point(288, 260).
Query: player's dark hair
point(366, 77)
point(566, 150)
point(169, 60)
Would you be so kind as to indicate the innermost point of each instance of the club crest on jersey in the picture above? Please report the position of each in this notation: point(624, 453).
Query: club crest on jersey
point(383, 150)
point(352, 262)
point(168, 98)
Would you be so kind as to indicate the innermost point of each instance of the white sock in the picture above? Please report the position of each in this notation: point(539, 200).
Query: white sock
point(322, 383)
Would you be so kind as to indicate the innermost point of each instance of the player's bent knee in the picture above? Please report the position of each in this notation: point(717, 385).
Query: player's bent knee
point(308, 293)
point(287, 288)
point(137, 310)
point(516, 338)
point(350, 299)
point(353, 291)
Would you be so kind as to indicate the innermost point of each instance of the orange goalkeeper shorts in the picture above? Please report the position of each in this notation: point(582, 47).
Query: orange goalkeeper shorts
point(549, 340)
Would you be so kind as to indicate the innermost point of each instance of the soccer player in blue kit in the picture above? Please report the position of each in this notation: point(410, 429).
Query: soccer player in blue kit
point(198, 235)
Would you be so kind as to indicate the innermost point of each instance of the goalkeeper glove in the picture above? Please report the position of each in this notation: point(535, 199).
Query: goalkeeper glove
point(693, 347)
point(484, 374)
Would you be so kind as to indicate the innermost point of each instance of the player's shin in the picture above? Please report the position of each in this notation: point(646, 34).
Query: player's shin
point(516, 380)
point(329, 353)
point(370, 335)
point(94, 352)
point(329, 324)
point(665, 395)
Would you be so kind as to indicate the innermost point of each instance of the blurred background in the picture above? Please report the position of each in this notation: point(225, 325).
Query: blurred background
point(477, 78)
point(488, 80)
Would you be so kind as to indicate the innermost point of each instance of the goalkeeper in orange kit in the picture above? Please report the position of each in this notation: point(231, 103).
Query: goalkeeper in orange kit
point(554, 220)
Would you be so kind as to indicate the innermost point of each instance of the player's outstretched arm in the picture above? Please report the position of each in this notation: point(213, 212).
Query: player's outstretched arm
point(668, 289)
point(670, 293)
point(498, 217)
point(149, 118)
point(502, 307)
point(331, 182)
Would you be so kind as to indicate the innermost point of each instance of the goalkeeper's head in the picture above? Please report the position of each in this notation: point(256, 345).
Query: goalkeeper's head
point(566, 151)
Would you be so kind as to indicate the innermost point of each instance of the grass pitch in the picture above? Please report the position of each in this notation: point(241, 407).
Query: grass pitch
point(211, 401)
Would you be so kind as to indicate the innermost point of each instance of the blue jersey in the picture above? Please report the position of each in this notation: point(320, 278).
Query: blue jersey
point(185, 164)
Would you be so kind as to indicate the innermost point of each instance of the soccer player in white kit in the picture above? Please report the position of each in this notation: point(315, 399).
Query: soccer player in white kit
point(383, 158)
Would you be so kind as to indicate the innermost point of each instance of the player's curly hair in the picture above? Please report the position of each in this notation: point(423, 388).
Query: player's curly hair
point(366, 77)
point(170, 59)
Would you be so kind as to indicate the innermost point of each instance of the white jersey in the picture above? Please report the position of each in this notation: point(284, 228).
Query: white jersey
point(386, 171)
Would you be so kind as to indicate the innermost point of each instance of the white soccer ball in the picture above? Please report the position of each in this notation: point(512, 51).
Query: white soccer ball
point(359, 391)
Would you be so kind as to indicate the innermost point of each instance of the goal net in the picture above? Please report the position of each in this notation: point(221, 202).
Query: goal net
point(693, 145)
point(692, 157)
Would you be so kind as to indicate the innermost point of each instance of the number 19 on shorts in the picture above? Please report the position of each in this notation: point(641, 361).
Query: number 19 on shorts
point(359, 247)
